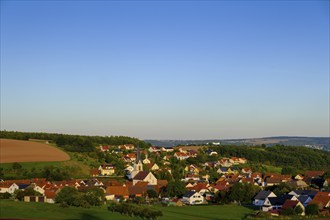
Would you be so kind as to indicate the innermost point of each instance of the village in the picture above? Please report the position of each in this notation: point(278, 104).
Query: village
point(154, 175)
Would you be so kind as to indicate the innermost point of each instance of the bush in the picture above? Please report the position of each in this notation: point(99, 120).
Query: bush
point(135, 210)
point(312, 209)
point(288, 211)
point(5, 195)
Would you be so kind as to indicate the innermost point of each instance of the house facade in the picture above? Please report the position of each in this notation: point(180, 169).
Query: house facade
point(192, 198)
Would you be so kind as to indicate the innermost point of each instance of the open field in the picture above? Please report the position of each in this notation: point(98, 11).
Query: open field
point(12, 209)
point(27, 151)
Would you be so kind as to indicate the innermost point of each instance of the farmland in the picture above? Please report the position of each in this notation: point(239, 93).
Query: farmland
point(11, 209)
point(27, 151)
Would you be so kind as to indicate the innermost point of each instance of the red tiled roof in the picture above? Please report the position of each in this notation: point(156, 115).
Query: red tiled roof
point(290, 204)
point(314, 173)
point(141, 175)
point(117, 190)
point(321, 199)
point(199, 186)
point(50, 194)
point(137, 190)
point(162, 183)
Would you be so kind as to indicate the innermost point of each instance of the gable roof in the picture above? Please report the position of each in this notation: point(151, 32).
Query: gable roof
point(50, 194)
point(137, 190)
point(303, 198)
point(290, 204)
point(310, 193)
point(189, 194)
point(117, 190)
point(141, 175)
point(280, 200)
point(162, 183)
point(321, 199)
point(262, 194)
point(314, 173)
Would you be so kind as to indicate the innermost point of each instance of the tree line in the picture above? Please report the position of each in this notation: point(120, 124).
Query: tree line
point(135, 210)
point(74, 143)
point(279, 155)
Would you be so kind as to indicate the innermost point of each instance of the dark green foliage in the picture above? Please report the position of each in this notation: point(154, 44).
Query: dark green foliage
point(75, 143)
point(152, 193)
point(19, 194)
point(69, 196)
point(288, 211)
point(242, 192)
point(55, 173)
point(312, 209)
point(280, 189)
point(5, 195)
point(175, 188)
point(289, 170)
point(163, 175)
point(298, 210)
point(16, 166)
point(135, 210)
point(282, 156)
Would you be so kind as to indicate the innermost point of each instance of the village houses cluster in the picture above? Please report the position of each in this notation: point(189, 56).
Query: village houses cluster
point(140, 177)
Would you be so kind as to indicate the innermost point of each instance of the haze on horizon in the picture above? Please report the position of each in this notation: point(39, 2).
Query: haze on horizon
point(166, 70)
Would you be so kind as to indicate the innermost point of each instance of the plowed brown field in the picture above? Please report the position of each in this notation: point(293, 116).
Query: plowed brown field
point(27, 151)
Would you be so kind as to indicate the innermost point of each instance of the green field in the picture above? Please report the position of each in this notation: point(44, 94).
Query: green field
point(78, 160)
point(12, 209)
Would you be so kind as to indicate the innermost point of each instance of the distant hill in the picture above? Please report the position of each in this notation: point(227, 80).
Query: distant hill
point(322, 143)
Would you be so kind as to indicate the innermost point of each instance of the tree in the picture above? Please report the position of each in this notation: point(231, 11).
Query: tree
point(312, 209)
point(280, 189)
point(288, 211)
point(289, 170)
point(94, 196)
point(19, 194)
point(67, 195)
point(16, 166)
point(152, 193)
point(298, 210)
point(243, 192)
point(175, 188)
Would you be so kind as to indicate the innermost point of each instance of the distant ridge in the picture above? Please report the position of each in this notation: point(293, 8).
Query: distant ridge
point(322, 143)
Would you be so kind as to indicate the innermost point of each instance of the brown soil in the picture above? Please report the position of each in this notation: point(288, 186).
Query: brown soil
point(27, 151)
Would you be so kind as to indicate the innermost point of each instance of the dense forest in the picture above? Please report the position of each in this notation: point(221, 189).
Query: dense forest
point(279, 155)
point(74, 143)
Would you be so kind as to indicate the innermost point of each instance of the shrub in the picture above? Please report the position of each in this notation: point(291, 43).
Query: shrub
point(312, 209)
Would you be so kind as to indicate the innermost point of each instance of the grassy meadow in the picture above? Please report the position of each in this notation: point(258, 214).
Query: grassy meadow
point(12, 209)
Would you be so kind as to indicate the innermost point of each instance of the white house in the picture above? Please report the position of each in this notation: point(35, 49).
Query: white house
point(8, 187)
point(181, 156)
point(145, 177)
point(106, 169)
point(167, 149)
point(192, 198)
point(129, 168)
point(260, 198)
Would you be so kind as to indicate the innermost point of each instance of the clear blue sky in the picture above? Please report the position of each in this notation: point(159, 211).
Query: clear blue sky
point(167, 69)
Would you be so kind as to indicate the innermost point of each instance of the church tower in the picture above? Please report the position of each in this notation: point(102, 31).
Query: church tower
point(138, 166)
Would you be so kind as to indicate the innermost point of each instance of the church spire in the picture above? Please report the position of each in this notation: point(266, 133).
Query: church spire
point(138, 154)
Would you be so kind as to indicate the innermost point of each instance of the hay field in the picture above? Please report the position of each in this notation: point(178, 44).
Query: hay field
point(27, 151)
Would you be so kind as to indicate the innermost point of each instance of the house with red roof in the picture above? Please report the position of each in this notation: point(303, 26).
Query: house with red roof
point(322, 199)
point(116, 192)
point(107, 169)
point(181, 156)
point(293, 204)
point(314, 173)
point(104, 148)
point(9, 187)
